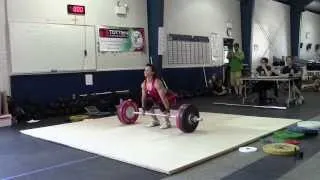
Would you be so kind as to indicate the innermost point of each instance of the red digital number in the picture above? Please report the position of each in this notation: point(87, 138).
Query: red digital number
point(77, 9)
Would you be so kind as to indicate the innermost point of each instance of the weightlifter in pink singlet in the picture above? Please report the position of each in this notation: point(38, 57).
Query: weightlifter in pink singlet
point(154, 93)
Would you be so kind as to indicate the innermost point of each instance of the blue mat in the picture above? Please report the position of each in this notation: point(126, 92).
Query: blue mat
point(305, 131)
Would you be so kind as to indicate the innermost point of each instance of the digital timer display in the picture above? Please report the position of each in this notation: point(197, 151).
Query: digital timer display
point(76, 9)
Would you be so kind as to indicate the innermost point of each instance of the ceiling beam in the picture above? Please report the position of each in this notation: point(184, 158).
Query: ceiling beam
point(283, 1)
point(315, 12)
point(300, 4)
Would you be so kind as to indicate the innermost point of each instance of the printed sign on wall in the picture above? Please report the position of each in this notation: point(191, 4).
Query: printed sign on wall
point(113, 39)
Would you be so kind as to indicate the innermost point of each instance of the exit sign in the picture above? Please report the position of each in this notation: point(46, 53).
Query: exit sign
point(76, 9)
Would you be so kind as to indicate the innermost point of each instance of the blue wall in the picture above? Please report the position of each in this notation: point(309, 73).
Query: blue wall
point(46, 88)
point(247, 8)
point(155, 20)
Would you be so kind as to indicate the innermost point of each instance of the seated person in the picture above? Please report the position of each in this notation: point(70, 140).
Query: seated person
point(216, 86)
point(154, 92)
point(262, 86)
point(293, 70)
point(264, 69)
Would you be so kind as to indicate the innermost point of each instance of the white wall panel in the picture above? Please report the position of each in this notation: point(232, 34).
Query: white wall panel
point(4, 60)
point(309, 33)
point(36, 16)
point(271, 31)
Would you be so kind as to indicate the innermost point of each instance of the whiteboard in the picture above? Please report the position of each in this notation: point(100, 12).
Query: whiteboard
point(38, 48)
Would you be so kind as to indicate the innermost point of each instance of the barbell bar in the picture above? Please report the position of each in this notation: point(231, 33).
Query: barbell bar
point(165, 115)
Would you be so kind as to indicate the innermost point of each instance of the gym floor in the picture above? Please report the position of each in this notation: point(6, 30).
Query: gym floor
point(24, 157)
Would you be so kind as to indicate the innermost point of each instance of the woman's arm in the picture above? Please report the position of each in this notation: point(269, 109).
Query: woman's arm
point(143, 94)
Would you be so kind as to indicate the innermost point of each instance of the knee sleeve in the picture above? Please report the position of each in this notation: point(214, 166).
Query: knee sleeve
point(162, 108)
point(172, 98)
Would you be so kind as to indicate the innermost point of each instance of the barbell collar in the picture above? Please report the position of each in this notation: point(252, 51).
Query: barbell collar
point(154, 114)
point(198, 119)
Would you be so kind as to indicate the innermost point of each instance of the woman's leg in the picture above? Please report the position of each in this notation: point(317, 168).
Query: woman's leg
point(166, 123)
point(155, 121)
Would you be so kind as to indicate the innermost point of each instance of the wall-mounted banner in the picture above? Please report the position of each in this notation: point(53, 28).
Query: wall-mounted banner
point(116, 39)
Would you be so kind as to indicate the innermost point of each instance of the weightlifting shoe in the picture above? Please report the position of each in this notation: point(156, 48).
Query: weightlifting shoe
point(153, 123)
point(165, 125)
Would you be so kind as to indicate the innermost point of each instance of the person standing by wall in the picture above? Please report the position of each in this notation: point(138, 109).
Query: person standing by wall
point(236, 65)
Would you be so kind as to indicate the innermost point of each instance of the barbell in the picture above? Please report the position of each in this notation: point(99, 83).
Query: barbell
point(187, 118)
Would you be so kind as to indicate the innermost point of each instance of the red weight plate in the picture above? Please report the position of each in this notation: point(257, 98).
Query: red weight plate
point(179, 115)
point(126, 110)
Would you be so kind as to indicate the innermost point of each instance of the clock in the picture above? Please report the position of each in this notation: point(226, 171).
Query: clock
point(76, 9)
